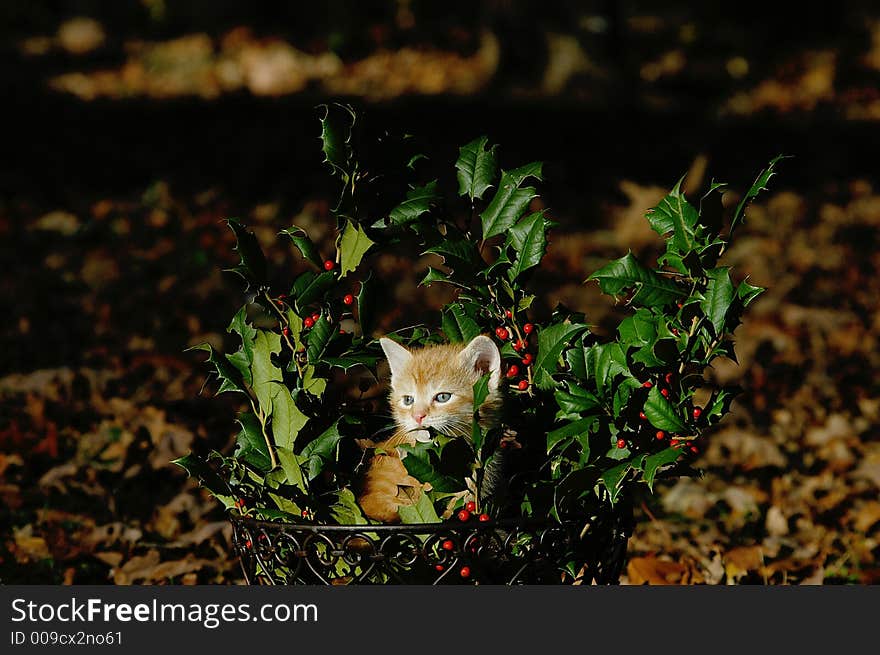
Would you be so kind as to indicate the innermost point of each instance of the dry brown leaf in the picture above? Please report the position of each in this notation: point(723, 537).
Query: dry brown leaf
point(742, 560)
point(651, 570)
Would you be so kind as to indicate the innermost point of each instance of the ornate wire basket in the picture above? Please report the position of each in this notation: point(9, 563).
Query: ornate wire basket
point(508, 551)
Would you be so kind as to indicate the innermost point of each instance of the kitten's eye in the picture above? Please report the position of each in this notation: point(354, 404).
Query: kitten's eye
point(442, 397)
point(408, 400)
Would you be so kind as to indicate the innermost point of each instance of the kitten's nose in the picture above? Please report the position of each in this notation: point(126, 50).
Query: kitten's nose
point(419, 417)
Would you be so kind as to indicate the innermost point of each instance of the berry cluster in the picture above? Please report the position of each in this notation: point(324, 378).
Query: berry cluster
point(519, 341)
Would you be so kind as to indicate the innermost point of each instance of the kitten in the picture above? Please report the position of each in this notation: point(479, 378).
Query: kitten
point(431, 387)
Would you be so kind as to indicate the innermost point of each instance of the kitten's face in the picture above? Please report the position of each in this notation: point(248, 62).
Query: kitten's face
point(432, 387)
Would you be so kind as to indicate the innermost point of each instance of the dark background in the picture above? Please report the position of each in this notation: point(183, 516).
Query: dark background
point(131, 129)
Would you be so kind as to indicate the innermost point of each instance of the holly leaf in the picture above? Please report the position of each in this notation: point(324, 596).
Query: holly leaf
point(476, 168)
point(639, 330)
point(651, 289)
point(207, 477)
point(309, 286)
point(757, 186)
point(613, 479)
point(564, 435)
point(661, 413)
point(230, 377)
point(252, 265)
point(251, 444)
point(747, 293)
point(675, 214)
point(287, 419)
point(345, 510)
point(655, 462)
point(529, 240)
point(353, 245)
point(717, 297)
point(321, 451)
point(418, 201)
point(263, 372)
point(510, 201)
point(418, 464)
point(245, 355)
point(319, 336)
point(422, 511)
point(551, 342)
point(336, 128)
point(457, 325)
point(304, 244)
point(292, 468)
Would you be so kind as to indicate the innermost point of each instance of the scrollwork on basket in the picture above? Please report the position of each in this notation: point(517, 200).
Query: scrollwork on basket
point(508, 551)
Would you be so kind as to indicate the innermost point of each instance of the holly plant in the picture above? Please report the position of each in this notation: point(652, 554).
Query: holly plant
point(586, 420)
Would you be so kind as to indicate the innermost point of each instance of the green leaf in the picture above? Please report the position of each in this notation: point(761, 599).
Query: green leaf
point(352, 247)
point(243, 358)
point(421, 512)
point(309, 287)
point(757, 186)
point(608, 361)
point(418, 201)
point(460, 255)
point(287, 419)
point(252, 265)
point(476, 168)
point(576, 401)
point(263, 372)
point(529, 239)
point(717, 298)
point(747, 293)
point(481, 391)
point(613, 479)
point(228, 374)
point(566, 432)
point(551, 342)
point(654, 462)
point(457, 325)
point(418, 464)
point(320, 451)
point(336, 128)
point(292, 468)
point(319, 336)
point(251, 444)
point(349, 360)
point(305, 245)
point(661, 413)
point(510, 201)
point(675, 214)
point(346, 511)
point(311, 383)
point(718, 405)
point(640, 329)
point(651, 289)
point(207, 477)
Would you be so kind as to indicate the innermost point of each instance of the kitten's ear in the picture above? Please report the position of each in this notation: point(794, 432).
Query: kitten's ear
point(398, 356)
point(482, 355)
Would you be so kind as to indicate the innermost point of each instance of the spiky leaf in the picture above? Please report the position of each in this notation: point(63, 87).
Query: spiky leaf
point(476, 168)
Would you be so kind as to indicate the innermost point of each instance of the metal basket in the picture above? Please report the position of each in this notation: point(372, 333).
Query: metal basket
point(508, 551)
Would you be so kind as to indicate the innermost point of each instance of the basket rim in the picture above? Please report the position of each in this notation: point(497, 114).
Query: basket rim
point(517, 522)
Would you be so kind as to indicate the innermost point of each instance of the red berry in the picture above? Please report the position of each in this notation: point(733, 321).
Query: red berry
point(647, 384)
point(527, 359)
point(508, 313)
point(621, 443)
point(329, 265)
point(248, 544)
point(674, 331)
point(465, 572)
point(286, 332)
point(239, 502)
point(680, 304)
point(513, 371)
point(660, 434)
point(282, 296)
point(348, 299)
point(503, 444)
point(528, 328)
point(308, 321)
point(502, 333)
point(643, 416)
point(305, 513)
point(674, 443)
point(695, 450)
point(668, 378)
point(448, 545)
point(523, 385)
point(485, 517)
point(463, 515)
point(664, 393)
point(697, 412)
point(470, 506)
point(341, 331)
point(439, 567)
point(316, 316)
point(518, 345)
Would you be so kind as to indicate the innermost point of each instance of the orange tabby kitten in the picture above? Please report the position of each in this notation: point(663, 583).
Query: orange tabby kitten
point(431, 387)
